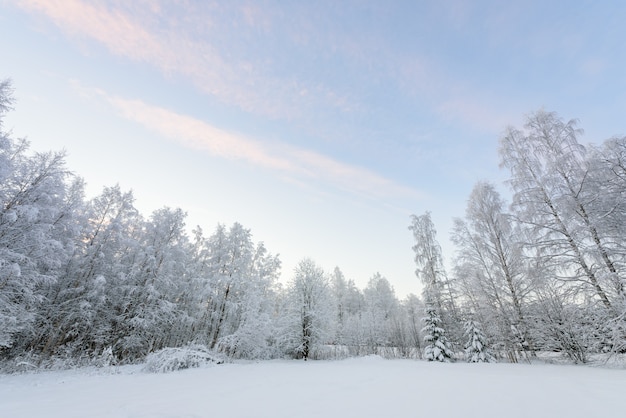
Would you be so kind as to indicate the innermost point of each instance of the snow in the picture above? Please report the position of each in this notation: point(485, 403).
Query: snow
point(363, 387)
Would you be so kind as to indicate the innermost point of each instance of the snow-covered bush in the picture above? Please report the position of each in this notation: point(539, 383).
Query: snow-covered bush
point(178, 358)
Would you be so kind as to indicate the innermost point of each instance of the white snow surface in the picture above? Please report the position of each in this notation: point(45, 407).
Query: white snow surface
point(362, 387)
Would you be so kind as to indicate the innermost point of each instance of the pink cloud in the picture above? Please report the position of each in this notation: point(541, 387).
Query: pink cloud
point(299, 165)
point(200, 135)
point(187, 47)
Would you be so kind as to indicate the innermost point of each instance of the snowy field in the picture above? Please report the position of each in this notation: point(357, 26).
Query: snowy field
point(364, 387)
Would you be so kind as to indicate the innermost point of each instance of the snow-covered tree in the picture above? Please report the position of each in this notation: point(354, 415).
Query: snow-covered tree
point(437, 289)
point(231, 254)
point(491, 267)
point(255, 328)
point(230, 299)
point(82, 309)
point(380, 314)
point(309, 316)
point(147, 298)
point(476, 348)
point(339, 289)
point(437, 347)
point(429, 261)
point(413, 309)
point(349, 308)
point(33, 224)
point(555, 198)
point(607, 178)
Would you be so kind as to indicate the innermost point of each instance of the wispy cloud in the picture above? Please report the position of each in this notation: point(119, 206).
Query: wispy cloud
point(200, 135)
point(209, 45)
point(179, 43)
point(296, 164)
point(117, 31)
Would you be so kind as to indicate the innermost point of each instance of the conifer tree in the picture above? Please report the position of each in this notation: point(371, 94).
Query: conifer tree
point(476, 347)
point(437, 347)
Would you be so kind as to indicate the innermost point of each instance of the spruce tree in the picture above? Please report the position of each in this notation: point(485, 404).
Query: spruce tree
point(437, 347)
point(476, 347)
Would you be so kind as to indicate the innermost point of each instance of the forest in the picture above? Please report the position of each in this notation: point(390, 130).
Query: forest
point(93, 281)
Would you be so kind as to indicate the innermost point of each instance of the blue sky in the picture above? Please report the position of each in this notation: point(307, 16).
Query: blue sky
point(321, 126)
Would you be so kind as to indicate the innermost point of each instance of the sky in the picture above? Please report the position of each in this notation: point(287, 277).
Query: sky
point(320, 126)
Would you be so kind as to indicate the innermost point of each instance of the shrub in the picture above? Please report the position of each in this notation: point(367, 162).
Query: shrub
point(178, 358)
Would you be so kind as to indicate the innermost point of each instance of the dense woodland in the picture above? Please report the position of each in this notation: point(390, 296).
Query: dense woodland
point(93, 281)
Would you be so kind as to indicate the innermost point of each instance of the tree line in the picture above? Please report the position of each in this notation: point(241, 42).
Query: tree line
point(547, 271)
point(82, 279)
point(86, 279)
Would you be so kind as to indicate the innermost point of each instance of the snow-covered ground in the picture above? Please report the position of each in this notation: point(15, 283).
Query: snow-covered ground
point(364, 387)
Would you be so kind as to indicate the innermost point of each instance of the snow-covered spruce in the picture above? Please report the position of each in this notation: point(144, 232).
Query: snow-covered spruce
point(476, 347)
point(437, 346)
